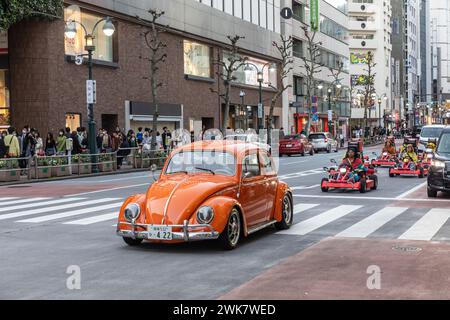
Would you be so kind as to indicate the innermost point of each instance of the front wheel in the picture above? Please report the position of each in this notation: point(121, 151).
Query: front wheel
point(432, 193)
point(375, 182)
point(132, 242)
point(391, 174)
point(229, 238)
point(287, 214)
point(363, 186)
point(324, 181)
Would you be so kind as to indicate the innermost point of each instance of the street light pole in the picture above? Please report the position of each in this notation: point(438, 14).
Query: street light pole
point(329, 110)
point(379, 112)
point(260, 104)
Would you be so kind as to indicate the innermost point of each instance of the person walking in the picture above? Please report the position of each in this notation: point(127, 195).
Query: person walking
point(166, 136)
point(39, 148)
point(76, 146)
point(50, 145)
point(61, 143)
point(124, 150)
point(3, 152)
point(12, 144)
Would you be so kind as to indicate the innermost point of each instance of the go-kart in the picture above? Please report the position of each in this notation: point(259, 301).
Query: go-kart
point(339, 178)
point(428, 155)
point(384, 160)
point(358, 145)
point(403, 168)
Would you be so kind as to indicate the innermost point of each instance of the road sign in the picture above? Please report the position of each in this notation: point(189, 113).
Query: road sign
point(330, 115)
point(314, 14)
point(315, 117)
point(286, 13)
point(78, 60)
point(91, 91)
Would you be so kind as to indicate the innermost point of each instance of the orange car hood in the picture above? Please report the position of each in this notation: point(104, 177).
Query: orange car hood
point(178, 197)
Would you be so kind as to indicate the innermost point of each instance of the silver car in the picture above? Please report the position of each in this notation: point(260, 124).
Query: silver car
point(430, 132)
point(323, 141)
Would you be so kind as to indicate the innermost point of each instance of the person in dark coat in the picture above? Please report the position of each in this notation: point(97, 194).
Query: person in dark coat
point(76, 143)
point(121, 154)
point(3, 152)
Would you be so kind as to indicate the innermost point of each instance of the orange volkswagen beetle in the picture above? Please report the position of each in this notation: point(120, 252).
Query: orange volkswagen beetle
point(209, 190)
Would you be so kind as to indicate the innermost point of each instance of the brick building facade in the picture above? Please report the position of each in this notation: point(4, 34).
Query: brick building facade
point(48, 90)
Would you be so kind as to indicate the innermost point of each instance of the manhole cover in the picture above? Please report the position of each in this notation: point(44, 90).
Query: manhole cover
point(406, 248)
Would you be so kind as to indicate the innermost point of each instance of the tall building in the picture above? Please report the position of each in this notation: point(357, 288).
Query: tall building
point(370, 31)
point(47, 90)
point(332, 33)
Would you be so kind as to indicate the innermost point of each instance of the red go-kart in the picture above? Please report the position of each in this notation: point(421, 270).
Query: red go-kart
point(385, 160)
point(339, 178)
point(404, 168)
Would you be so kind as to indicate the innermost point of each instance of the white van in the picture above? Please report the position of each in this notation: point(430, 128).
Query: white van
point(430, 132)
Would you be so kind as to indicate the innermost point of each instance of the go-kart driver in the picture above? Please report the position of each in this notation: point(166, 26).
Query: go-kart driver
point(354, 162)
point(390, 149)
point(410, 155)
point(431, 144)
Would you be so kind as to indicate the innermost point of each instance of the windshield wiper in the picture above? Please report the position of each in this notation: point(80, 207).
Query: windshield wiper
point(204, 169)
point(181, 171)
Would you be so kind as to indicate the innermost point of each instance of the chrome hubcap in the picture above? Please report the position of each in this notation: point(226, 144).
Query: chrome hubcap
point(234, 228)
point(287, 212)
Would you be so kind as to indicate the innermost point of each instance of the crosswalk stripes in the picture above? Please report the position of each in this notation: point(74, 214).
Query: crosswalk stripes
point(52, 209)
point(302, 207)
point(8, 198)
point(34, 204)
point(428, 226)
point(94, 219)
point(372, 223)
point(320, 220)
point(7, 203)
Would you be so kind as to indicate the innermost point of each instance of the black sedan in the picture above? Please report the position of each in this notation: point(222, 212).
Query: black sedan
point(439, 174)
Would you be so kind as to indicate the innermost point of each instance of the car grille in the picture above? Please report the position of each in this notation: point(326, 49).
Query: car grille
point(447, 169)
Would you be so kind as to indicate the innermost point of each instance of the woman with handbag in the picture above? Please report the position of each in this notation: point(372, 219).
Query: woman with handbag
point(50, 145)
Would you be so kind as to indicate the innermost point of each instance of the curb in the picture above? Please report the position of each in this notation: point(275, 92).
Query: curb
point(72, 177)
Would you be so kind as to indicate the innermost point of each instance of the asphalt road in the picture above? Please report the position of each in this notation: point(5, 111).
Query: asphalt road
point(46, 228)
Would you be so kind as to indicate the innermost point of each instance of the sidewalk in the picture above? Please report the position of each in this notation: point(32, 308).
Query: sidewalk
point(339, 268)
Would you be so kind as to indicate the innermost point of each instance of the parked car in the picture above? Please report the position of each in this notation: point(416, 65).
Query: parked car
point(430, 132)
point(207, 190)
point(295, 144)
point(439, 170)
point(323, 141)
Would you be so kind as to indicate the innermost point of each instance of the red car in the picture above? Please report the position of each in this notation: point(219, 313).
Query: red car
point(295, 144)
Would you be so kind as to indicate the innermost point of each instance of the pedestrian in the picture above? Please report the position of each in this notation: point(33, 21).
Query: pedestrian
point(166, 136)
point(159, 141)
point(61, 143)
point(281, 134)
point(124, 150)
point(132, 140)
point(76, 146)
point(39, 148)
point(115, 140)
point(12, 144)
point(106, 142)
point(68, 133)
point(139, 135)
point(99, 139)
point(50, 145)
point(3, 152)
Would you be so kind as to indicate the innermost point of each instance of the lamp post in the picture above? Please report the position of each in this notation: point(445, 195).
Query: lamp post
point(249, 67)
point(70, 31)
point(243, 109)
point(329, 110)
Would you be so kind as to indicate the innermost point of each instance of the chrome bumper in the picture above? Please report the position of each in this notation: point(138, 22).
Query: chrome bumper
point(187, 234)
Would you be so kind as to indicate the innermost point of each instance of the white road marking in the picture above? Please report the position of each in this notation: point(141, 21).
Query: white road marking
point(8, 198)
point(7, 203)
point(305, 187)
point(95, 219)
point(111, 189)
point(320, 220)
point(72, 213)
point(301, 207)
point(369, 198)
point(56, 208)
point(407, 193)
point(37, 204)
point(427, 227)
point(301, 174)
point(372, 223)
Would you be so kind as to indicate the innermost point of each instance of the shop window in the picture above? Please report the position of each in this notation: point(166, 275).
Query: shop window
point(103, 44)
point(4, 100)
point(197, 59)
point(73, 121)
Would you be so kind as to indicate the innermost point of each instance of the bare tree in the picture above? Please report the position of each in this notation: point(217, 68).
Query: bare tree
point(227, 68)
point(337, 83)
point(157, 56)
point(369, 87)
point(284, 48)
point(313, 66)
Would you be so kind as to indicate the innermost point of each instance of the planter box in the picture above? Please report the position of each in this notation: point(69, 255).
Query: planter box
point(60, 171)
point(141, 163)
point(84, 168)
point(42, 173)
point(7, 176)
point(105, 167)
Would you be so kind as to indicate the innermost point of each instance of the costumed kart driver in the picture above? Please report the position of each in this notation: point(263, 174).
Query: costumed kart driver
point(410, 155)
point(390, 149)
point(352, 161)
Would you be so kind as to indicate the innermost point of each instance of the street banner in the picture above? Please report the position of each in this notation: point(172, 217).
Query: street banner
point(3, 42)
point(314, 14)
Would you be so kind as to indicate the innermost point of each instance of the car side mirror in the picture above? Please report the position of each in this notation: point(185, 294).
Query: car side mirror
point(325, 169)
point(333, 161)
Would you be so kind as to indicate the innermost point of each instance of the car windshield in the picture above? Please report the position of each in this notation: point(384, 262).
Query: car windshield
point(214, 162)
point(316, 136)
point(431, 132)
point(293, 137)
point(444, 143)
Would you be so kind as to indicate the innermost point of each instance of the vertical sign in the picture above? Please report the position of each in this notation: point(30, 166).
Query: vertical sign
point(314, 14)
point(91, 91)
point(3, 42)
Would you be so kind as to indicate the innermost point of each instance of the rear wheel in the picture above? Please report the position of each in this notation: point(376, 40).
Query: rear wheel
point(363, 186)
point(432, 193)
point(229, 238)
point(337, 148)
point(329, 149)
point(375, 182)
point(287, 214)
point(311, 152)
point(132, 242)
point(324, 188)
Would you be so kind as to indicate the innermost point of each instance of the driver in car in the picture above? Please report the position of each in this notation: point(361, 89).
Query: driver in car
point(389, 148)
point(410, 155)
point(354, 162)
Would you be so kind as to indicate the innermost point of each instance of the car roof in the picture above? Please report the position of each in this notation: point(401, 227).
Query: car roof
point(434, 126)
point(231, 146)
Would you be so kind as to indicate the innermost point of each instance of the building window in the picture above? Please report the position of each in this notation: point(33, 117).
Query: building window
point(251, 78)
point(103, 44)
point(332, 29)
point(297, 48)
point(298, 11)
point(197, 59)
point(73, 121)
point(4, 100)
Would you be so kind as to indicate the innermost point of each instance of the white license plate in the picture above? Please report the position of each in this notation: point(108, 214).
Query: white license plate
point(159, 232)
point(289, 146)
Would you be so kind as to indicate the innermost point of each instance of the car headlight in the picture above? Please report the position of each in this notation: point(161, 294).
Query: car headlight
point(132, 211)
point(438, 164)
point(343, 170)
point(205, 214)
